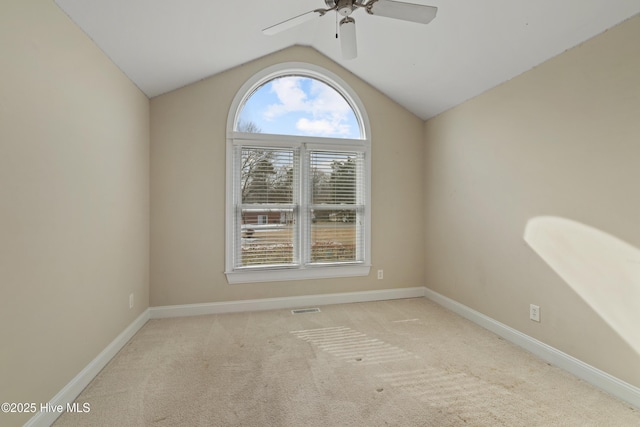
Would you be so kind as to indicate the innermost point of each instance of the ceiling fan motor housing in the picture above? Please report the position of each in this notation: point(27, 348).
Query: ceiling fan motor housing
point(343, 7)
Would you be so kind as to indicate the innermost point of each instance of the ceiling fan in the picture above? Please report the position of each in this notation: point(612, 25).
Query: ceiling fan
point(389, 8)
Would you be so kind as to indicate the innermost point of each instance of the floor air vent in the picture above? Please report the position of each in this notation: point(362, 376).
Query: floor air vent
point(305, 310)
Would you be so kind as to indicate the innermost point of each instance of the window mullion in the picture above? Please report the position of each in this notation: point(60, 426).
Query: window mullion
point(304, 215)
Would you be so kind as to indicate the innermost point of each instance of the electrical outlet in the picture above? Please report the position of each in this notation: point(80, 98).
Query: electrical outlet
point(380, 274)
point(534, 312)
point(130, 300)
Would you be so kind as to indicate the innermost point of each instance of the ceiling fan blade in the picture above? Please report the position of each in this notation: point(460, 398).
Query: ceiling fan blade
point(348, 38)
point(405, 11)
point(290, 23)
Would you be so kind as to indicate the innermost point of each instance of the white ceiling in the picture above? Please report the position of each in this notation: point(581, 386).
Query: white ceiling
point(469, 47)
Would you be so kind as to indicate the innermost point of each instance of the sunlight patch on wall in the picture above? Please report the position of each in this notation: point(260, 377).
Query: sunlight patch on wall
point(602, 269)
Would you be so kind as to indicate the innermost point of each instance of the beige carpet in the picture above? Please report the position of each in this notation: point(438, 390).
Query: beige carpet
point(390, 363)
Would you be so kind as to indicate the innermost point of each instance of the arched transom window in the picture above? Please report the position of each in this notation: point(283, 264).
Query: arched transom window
point(298, 105)
point(298, 167)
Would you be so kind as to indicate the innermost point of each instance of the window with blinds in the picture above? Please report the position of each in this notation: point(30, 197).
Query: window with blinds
point(266, 223)
point(336, 206)
point(298, 168)
point(277, 226)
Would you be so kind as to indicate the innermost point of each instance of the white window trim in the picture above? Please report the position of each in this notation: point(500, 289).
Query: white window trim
point(262, 274)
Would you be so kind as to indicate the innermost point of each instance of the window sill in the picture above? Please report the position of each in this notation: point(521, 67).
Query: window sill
point(277, 275)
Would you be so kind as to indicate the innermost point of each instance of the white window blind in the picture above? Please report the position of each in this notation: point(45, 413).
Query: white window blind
point(336, 207)
point(266, 192)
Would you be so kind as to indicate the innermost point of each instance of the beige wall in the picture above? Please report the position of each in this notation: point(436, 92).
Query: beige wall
point(74, 195)
point(188, 129)
point(74, 201)
point(562, 139)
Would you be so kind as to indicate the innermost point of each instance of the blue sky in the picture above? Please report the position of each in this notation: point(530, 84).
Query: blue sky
point(295, 105)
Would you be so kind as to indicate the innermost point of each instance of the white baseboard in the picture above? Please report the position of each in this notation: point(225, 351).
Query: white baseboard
point(71, 391)
point(594, 376)
point(285, 302)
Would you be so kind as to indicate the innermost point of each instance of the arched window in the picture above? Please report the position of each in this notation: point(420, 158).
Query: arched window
point(298, 177)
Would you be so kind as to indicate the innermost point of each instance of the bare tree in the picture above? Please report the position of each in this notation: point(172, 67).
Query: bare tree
point(249, 127)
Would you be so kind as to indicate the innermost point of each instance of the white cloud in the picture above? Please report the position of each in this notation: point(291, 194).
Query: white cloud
point(291, 96)
point(322, 127)
point(322, 110)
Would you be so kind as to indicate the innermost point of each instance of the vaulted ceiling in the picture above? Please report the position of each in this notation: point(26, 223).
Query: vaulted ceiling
point(470, 46)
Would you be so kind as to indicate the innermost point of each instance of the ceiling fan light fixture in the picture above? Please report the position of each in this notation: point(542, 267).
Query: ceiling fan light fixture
point(348, 38)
